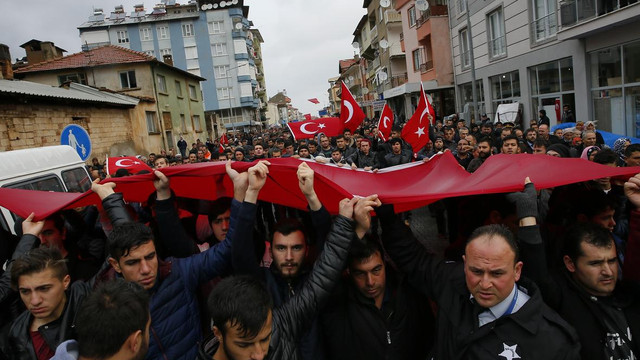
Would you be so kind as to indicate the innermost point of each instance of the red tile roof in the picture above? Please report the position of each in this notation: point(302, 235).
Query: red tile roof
point(104, 55)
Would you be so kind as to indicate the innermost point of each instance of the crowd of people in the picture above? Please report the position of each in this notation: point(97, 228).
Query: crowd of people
point(545, 274)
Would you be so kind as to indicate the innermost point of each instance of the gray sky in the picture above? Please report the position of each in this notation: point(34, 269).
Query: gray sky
point(303, 39)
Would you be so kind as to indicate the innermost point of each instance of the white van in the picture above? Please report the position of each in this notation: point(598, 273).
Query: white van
point(50, 168)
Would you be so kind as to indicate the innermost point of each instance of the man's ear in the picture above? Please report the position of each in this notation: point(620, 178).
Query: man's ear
point(115, 265)
point(217, 333)
point(569, 264)
point(134, 342)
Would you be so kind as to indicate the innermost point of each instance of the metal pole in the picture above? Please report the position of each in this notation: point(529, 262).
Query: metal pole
point(474, 93)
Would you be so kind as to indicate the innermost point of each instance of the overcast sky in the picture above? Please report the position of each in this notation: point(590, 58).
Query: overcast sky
point(303, 39)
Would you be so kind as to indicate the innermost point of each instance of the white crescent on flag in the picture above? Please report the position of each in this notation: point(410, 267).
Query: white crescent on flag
point(426, 110)
point(385, 122)
point(120, 163)
point(349, 107)
point(303, 128)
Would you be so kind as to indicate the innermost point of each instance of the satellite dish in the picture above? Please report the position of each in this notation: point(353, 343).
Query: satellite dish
point(239, 26)
point(351, 78)
point(215, 6)
point(356, 45)
point(384, 44)
point(223, 4)
point(422, 5)
point(365, 91)
point(385, 3)
point(382, 76)
point(235, 2)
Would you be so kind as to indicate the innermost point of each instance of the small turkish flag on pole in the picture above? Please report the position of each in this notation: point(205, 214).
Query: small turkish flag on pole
point(350, 112)
point(416, 130)
point(307, 116)
point(331, 126)
point(131, 163)
point(315, 101)
point(223, 141)
point(385, 123)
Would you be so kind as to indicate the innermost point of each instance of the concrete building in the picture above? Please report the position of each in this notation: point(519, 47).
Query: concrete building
point(546, 54)
point(208, 38)
point(334, 99)
point(171, 98)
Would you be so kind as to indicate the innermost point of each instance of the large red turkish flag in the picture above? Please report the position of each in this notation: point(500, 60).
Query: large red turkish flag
point(416, 130)
point(350, 112)
point(131, 163)
point(385, 123)
point(331, 126)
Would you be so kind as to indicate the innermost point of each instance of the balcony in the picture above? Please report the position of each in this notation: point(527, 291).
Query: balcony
point(434, 10)
point(391, 16)
point(374, 33)
point(424, 67)
point(395, 50)
point(399, 80)
point(573, 12)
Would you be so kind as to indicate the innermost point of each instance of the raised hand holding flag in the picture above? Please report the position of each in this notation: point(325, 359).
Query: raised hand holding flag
point(385, 123)
point(350, 112)
point(416, 130)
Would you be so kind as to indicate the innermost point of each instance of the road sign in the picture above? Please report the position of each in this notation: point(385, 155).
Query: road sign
point(78, 138)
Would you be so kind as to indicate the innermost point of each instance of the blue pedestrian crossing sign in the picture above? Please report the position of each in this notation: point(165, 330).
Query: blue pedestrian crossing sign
point(78, 138)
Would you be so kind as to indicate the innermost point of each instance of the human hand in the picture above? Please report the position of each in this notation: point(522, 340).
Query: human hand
point(258, 175)
point(31, 227)
point(526, 201)
point(353, 166)
point(362, 213)
point(102, 190)
point(305, 179)
point(632, 190)
point(346, 207)
point(161, 183)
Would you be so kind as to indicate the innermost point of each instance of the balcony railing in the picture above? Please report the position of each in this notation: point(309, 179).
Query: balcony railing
point(374, 33)
point(545, 27)
point(399, 80)
point(391, 16)
point(424, 67)
point(435, 10)
point(573, 12)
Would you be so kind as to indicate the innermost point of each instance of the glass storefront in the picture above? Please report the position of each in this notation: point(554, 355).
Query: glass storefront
point(505, 88)
point(615, 88)
point(552, 83)
point(466, 97)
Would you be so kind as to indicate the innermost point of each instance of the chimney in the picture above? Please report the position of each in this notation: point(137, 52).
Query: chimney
point(48, 51)
point(6, 72)
point(168, 59)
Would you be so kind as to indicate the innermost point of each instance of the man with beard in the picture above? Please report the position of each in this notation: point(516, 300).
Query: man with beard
point(289, 249)
point(112, 324)
point(462, 155)
point(484, 151)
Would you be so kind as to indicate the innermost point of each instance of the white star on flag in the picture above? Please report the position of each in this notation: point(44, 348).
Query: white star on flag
point(321, 126)
point(509, 352)
point(420, 131)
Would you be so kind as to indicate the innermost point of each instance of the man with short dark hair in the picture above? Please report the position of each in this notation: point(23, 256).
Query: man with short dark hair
point(112, 324)
point(364, 158)
point(396, 156)
point(486, 310)
point(484, 151)
point(510, 145)
point(160, 162)
point(632, 155)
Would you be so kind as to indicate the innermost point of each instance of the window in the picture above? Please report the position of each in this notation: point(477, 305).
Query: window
point(123, 37)
point(162, 84)
point(187, 30)
point(221, 72)
point(219, 49)
point(545, 23)
point(417, 59)
point(152, 122)
point(76, 180)
point(193, 94)
point(79, 78)
point(164, 52)
point(412, 16)
point(465, 55)
point(462, 6)
point(178, 89)
point(196, 123)
point(216, 27)
point(150, 52)
point(497, 39)
point(191, 52)
point(145, 34)
point(163, 32)
point(224, 93)
point(183, 124)
point(505, 88)
point(128, 79)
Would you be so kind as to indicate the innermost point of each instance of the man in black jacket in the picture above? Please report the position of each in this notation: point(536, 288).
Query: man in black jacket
point(482, 311)
point(375, 314)
point(587, 292)
point(364, 158)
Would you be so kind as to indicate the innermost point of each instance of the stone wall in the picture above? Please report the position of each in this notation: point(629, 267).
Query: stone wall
point(35, 125)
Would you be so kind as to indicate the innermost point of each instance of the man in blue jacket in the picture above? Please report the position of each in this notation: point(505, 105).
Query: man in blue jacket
point(172, 283)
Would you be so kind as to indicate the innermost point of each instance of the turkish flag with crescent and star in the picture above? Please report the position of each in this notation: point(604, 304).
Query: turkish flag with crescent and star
point(131, 163)
point(350, 112)
point(330, 126)
point(385, 123)
point(416, 130)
